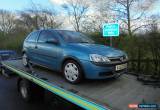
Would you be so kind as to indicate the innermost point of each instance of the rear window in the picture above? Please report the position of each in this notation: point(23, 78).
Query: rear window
point(32, 37)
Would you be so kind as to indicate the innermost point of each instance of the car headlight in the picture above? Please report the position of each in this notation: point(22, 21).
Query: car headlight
point(99, 58)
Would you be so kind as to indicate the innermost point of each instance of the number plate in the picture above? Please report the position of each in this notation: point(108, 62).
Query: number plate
point(121, 67)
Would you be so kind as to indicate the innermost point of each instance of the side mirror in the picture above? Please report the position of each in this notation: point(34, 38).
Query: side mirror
point(52, 41)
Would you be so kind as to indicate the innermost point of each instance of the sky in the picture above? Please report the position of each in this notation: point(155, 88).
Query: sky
point(20, 5)
point(14, 5)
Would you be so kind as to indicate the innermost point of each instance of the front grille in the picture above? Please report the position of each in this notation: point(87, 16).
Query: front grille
point(117, 59)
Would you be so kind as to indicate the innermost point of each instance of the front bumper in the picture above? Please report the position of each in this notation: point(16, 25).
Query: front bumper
point(101, 71)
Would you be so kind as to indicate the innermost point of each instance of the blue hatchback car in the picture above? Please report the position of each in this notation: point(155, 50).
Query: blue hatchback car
point(74, 54)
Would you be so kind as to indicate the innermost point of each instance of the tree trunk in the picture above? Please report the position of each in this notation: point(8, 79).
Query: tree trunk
point(129, 20)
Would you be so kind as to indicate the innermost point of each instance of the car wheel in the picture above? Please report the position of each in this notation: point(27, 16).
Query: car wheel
point(30, 91)
point(4, 73)
point(25, 90)
point(25, 60)
point(72, 71)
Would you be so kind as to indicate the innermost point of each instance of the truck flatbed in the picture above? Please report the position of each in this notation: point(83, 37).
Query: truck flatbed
point(105, 94)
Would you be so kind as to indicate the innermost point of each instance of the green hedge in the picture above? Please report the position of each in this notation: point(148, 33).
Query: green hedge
point(12, 41)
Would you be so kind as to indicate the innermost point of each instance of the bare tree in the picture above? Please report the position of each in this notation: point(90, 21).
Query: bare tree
point(6, 21)
point(130, 11)
point(47, 18)
point(76, 9)
point(25, 21)
point(100, 15)
point(153, 41)
point(37, 17)
point(154, 23)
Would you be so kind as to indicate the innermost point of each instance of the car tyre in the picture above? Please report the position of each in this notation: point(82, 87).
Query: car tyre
point(72, 71)
point(29, 91)
point(25, 60)
point(4, 73)
point(25, 90)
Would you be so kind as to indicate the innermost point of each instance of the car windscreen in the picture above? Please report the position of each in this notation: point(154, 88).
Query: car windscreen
point(74, 37)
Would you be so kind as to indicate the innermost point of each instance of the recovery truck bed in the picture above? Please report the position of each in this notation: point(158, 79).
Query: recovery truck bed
point(106, 94)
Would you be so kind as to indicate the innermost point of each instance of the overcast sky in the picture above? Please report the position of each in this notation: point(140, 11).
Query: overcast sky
point(14, 5)
point(19, 5)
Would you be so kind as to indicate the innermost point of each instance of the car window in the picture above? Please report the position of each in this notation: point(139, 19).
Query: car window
point(47, 36)
point(74, 37)
point(32, 37)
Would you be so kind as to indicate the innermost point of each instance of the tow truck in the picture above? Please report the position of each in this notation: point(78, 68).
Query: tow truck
point(108, 94)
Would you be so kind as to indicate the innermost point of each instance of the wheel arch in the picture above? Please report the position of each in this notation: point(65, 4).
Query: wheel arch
point(74, 59)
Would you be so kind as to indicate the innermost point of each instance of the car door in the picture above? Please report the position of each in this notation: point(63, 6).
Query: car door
point(47, 51)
